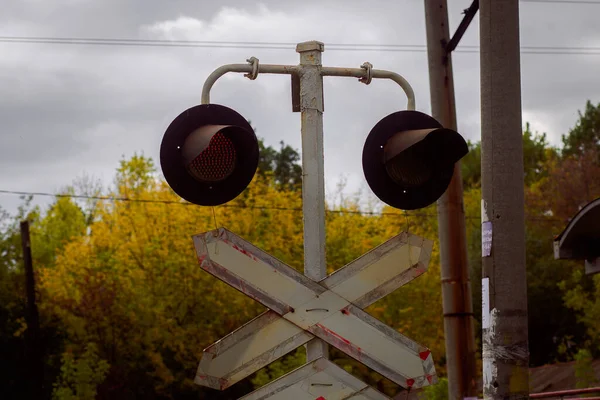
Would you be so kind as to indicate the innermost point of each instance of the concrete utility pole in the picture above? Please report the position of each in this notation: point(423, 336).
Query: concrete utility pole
point(456, 286)
point(504, 285)
point(313, 172)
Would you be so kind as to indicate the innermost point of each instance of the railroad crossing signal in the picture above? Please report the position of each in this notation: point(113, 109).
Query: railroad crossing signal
point(209, 155)
point(301, 309)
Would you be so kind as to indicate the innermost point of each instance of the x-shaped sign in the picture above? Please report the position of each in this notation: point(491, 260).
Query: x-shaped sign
point(301, 309)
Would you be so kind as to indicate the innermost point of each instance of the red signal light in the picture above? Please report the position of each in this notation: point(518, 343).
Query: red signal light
point(209, 154)
point(216, 162)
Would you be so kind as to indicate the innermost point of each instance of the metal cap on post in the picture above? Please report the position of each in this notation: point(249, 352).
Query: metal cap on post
point(311, 50)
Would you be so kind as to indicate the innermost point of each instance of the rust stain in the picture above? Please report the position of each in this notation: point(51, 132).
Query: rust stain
point(223, 383)
point(238, 248)
point(208, 267)
point(343, 344)
point(320, 368)
point(420, 270)
point(245, 287)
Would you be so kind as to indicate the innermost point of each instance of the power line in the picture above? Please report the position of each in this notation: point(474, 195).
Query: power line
point(230, 205)
point(277, 45)
point(194, 42)
point(180, 203)
point(377, 46)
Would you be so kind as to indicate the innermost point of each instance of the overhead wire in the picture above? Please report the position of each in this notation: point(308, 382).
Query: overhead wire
point(180, 203)
point(384, 47)
point(233, 205)
point(285, 45)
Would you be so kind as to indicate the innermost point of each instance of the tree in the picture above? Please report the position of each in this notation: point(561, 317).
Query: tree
point(63, 221)
point(436, 392)
point(536, 151)
point(282, 165)
point(80, 376)
point(553, 325)
point(585, 135)
point(571, 182)
point(471, 166)
point(554, 187)
point(131, 284)
point(584, 370)
point(570, 179)
point(123, 275)
point(582, 296)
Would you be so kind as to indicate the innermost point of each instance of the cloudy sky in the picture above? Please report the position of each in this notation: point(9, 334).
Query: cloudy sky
point(69, 110)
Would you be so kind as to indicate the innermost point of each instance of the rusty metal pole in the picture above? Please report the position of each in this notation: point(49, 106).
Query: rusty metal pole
point(504, 284)
point(456, 286)
point(313, 171)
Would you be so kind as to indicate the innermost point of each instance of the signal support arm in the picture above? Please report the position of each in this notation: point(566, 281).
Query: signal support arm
point(361, 73)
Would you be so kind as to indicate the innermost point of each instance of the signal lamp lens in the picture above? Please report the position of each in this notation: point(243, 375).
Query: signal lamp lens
point(408, 169)
point(405, 160)
point(216, 162)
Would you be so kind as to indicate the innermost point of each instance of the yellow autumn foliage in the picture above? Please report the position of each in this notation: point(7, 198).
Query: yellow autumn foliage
point(132, 283)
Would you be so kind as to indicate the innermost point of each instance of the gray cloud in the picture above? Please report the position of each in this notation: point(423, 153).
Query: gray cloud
point(69, 109)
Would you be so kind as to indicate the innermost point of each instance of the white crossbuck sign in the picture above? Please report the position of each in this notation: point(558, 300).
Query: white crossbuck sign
point(301, 309)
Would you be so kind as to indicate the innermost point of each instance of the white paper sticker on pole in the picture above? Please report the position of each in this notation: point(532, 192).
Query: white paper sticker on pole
point(485, 303)
point(486, 239)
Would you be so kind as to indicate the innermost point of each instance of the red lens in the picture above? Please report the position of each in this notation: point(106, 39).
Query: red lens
point(216, 162)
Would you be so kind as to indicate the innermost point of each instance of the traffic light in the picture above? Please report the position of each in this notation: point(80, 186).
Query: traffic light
point(408, 159)
point(209, 154)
